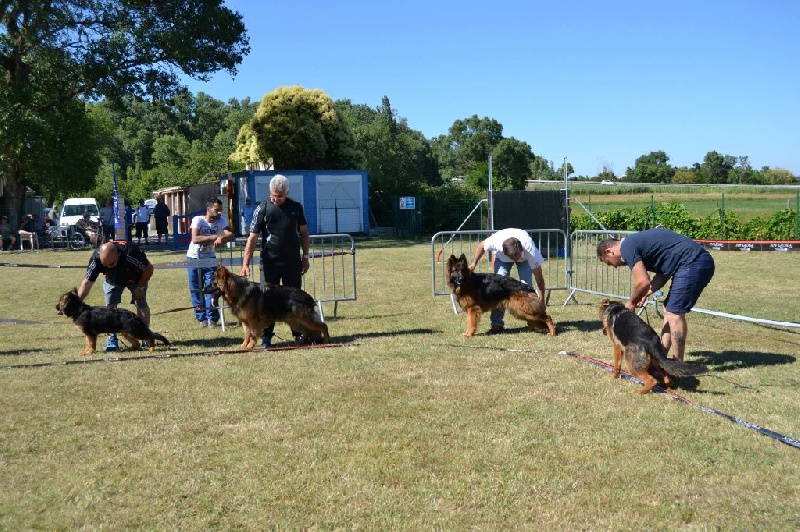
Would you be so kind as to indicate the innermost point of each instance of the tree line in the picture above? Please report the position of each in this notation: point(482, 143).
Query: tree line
point(90, 83)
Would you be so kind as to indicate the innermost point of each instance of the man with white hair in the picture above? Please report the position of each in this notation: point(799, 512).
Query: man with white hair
point(282, 225)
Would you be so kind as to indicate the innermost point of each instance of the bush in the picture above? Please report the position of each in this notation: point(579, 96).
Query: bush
point(780, 226)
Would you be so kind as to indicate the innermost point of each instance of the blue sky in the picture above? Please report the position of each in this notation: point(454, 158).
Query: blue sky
point(598, 82)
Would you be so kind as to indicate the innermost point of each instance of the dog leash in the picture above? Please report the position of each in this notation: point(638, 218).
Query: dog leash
point(165, 356)
point(672, 395)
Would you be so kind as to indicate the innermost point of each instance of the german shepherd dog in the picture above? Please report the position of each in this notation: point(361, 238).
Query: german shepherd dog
point(482, 292)
point(636, 342)
point(256, 307)
point(95, 320)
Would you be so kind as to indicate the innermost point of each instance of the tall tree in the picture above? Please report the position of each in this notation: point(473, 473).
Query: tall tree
point(398, 159)
point(468, 143)
point(59, 54)
point(298, 129)
point(511, 164)
point(651, 168)
point(715, 169)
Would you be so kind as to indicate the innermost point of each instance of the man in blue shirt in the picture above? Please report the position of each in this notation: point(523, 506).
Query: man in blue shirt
point(669, 256)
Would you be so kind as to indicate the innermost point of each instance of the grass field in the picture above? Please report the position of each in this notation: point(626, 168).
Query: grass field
point(406, 425)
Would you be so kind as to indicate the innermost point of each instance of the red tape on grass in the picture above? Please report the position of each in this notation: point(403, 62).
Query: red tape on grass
point(752, 426)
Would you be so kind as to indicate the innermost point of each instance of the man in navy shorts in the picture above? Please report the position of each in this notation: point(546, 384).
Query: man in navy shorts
point(669, 256)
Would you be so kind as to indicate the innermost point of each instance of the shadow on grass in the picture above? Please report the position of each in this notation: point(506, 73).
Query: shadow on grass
point(580, 325)
point(733, 360)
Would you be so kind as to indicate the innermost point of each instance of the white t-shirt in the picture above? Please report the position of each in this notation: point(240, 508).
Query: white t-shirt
point(205, 251)
point(494, 244)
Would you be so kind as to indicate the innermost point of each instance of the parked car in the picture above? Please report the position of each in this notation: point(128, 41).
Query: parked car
point(73, 208)
point(607, 182)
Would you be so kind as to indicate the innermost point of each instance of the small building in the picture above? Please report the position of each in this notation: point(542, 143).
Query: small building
point(334, 201)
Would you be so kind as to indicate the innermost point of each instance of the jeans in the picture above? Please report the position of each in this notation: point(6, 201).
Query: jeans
point(198, 279)
point(504, 268)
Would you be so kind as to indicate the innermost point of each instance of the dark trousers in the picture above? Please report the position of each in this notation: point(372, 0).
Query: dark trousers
point(285, 274)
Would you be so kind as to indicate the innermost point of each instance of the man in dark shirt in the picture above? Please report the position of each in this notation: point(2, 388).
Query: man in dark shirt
point(124, 266)
point(670, 256)
point(282, 225)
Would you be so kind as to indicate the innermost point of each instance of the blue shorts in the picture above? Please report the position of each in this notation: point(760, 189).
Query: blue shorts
point(688, 283)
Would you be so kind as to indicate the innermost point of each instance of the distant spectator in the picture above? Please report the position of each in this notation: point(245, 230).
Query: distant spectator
point(107, 220)
point(128, 221)
point(247, 216)
point(141, 218)
point(6, 235)
point(27, 230)
point(161, 213)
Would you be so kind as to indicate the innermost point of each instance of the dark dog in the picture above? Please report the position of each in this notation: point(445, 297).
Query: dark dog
point(95, 320)
point(256, 307)
point(638, 343)
point(482, 292)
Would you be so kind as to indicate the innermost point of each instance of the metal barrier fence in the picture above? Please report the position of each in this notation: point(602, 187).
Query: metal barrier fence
point(331, 276)
point(587, 274)
point(551, 242)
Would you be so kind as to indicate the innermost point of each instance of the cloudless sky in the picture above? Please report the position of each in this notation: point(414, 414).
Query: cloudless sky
point(600, 82)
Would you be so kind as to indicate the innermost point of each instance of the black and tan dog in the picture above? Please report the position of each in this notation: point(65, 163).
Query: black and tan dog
point(95, 320)
point(636, 342)
point(482, 292)
point(256, 307)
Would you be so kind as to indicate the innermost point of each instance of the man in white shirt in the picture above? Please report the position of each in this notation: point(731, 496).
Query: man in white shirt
point(209, 232)
point(512, 246)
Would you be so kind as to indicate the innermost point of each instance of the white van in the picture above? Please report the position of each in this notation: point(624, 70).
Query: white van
point(73, 210)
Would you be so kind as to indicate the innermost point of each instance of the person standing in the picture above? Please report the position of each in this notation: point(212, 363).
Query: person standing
point(669, 256)
point(128, 221)
point(141, 218)
point(512, 246)
point(282, 226)
point(247, 215)
point(208, 231)
point(161, 213)
point(107, 220)
point(124, 266)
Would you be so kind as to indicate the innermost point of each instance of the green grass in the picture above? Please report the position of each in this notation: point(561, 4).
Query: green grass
point(407, 425)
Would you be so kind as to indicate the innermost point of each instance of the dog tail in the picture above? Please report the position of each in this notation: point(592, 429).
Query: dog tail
point(160, 338)
point(677, 368)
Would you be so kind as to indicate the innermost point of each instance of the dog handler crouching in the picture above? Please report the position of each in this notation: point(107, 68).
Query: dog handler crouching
point(668, 255)
point(512, 246)
point(124, 266)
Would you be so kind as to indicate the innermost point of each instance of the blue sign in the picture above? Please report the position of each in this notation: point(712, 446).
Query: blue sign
point(408, 202)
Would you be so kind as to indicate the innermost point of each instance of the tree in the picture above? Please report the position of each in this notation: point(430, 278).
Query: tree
point(651, 168)
point(60, 54)
point(299, 129)
point(468, 143)
point(715, 168)
point(398, 160)
point(778, 176)
point(511, 163)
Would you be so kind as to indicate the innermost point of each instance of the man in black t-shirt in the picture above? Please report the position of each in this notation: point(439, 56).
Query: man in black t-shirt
point(124, 266)
point(282, 225)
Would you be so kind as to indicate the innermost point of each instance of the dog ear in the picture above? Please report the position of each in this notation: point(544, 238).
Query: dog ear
point(463, 258)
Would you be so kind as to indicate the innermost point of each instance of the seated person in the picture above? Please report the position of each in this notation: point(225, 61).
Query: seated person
point(5, 234)
point(89, 229)
point(27, 230)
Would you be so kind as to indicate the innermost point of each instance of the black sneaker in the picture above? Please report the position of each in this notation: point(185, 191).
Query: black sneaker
point(495, 330)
